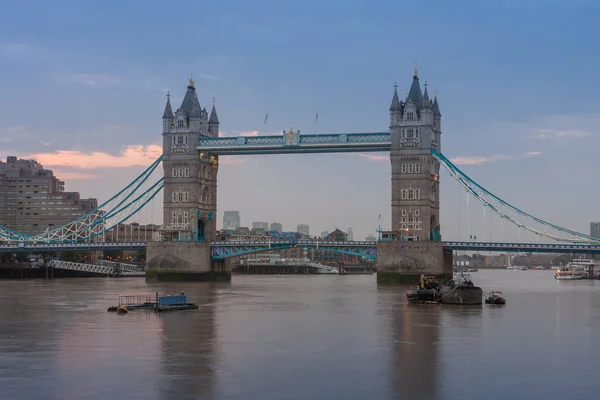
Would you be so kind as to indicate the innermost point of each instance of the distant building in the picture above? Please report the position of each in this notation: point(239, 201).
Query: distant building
point(260, 225)
point(337, 236)
point(324, 234)
point(350, 235)
point(231, 220)
point(303, 229)
point(276, 226)
point(370, 238)
point(133, 232)
point(595, 229)
point(33, 200)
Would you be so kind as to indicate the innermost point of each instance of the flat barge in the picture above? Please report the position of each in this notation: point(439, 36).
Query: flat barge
point(152, 302)
point(461, 292)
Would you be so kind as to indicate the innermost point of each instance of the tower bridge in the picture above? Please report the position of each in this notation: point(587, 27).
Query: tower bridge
point(188, 247)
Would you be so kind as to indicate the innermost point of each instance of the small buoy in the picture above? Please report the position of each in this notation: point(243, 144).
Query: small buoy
point(122, 310)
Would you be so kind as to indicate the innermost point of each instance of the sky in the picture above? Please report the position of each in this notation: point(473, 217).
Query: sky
point(83, 90)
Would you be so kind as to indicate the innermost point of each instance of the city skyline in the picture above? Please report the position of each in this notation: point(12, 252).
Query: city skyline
point(519, 119)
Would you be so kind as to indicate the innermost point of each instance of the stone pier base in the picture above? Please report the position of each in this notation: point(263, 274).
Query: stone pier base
point(405, 261)
point(184, 261)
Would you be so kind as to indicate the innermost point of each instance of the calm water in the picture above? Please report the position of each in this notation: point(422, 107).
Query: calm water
point(319, 337)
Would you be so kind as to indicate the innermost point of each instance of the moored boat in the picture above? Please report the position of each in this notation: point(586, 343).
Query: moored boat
point(495, 297)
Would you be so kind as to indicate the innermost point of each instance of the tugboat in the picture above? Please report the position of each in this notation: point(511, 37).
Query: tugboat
point(428, 291)
point(495, 297)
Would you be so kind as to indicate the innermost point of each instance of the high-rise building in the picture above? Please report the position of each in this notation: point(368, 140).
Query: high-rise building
point(595, 229)
point(33, 200)
point(302, 229)
point(350, 235)
point(276, 226)
point(260, 225)
point(231, 220)
point(190, 181)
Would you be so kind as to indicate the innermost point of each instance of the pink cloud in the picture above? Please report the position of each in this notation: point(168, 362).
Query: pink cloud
point(476, 160)
point(134, 155)
point(375, 157)
point(249, 133)
point(229, 160)
point(64, 175)
point(534, 153)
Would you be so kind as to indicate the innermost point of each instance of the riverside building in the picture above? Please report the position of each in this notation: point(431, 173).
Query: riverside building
point(33, 200)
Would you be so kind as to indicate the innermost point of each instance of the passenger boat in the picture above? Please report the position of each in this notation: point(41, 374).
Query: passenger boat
point(570, 272)
point(495, 297)
point(591, 268)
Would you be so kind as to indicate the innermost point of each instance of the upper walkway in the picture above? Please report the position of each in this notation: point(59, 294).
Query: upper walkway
point(293, 142)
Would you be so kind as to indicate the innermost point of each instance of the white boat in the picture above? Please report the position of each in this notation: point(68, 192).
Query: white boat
point(570, 272)
point(591, 268)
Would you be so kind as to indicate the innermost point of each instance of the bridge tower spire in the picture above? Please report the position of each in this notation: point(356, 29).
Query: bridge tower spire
point(413, 246)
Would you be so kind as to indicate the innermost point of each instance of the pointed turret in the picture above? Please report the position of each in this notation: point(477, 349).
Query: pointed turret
point(213, 121)
point(190, 104)
point(415, 93)
point(168, 114)
point(395, 106)
point(436, 107)
point(213, 115)
point(426, 101)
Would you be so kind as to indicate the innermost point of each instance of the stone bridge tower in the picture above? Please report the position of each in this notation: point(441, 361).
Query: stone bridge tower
point(190, 194)
point(413, 246)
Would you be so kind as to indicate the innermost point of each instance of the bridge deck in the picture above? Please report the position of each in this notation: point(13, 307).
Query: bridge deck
point(360, 248)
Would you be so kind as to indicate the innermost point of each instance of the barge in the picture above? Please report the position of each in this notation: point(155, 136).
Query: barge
point(152, 302)
point(460, 291)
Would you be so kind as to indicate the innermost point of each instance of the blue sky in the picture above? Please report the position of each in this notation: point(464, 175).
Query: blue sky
point(513, 77)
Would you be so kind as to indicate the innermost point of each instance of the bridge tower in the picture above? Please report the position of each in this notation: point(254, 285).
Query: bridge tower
point(413, 246)
point(190, 195)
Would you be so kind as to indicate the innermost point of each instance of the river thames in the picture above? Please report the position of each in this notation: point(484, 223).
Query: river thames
point(300, 337)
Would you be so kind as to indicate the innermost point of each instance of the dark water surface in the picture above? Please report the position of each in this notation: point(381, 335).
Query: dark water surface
point(300, 337)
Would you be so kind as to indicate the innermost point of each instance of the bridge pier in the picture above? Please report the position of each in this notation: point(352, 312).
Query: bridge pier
point(184, 261)
point(405, 261)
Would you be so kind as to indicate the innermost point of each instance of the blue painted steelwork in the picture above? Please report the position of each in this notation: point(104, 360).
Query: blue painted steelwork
point(220, 250)
point(296, 143)
point(510, 212)
point(367, 249)
point(94, 222)
point(524, 247)
point(43, 247)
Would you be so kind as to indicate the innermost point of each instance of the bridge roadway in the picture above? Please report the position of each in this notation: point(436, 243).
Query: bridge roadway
point(367, 249)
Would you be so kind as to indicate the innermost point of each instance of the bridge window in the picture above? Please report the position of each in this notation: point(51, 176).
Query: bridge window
point(186, 172)
point(180, 123)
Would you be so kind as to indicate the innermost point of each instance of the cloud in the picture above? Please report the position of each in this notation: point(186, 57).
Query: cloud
point(66, 175)
point(478, 160)
point(557, 133)
point(133, 155)
point(14, 49)
point(93, 79)
point(230, 160)
point(254, 132)
point(533, 154)
point(375, 157)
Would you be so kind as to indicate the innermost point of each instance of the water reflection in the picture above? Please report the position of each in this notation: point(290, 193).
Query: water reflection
point(414, 347)
point(187, 345)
